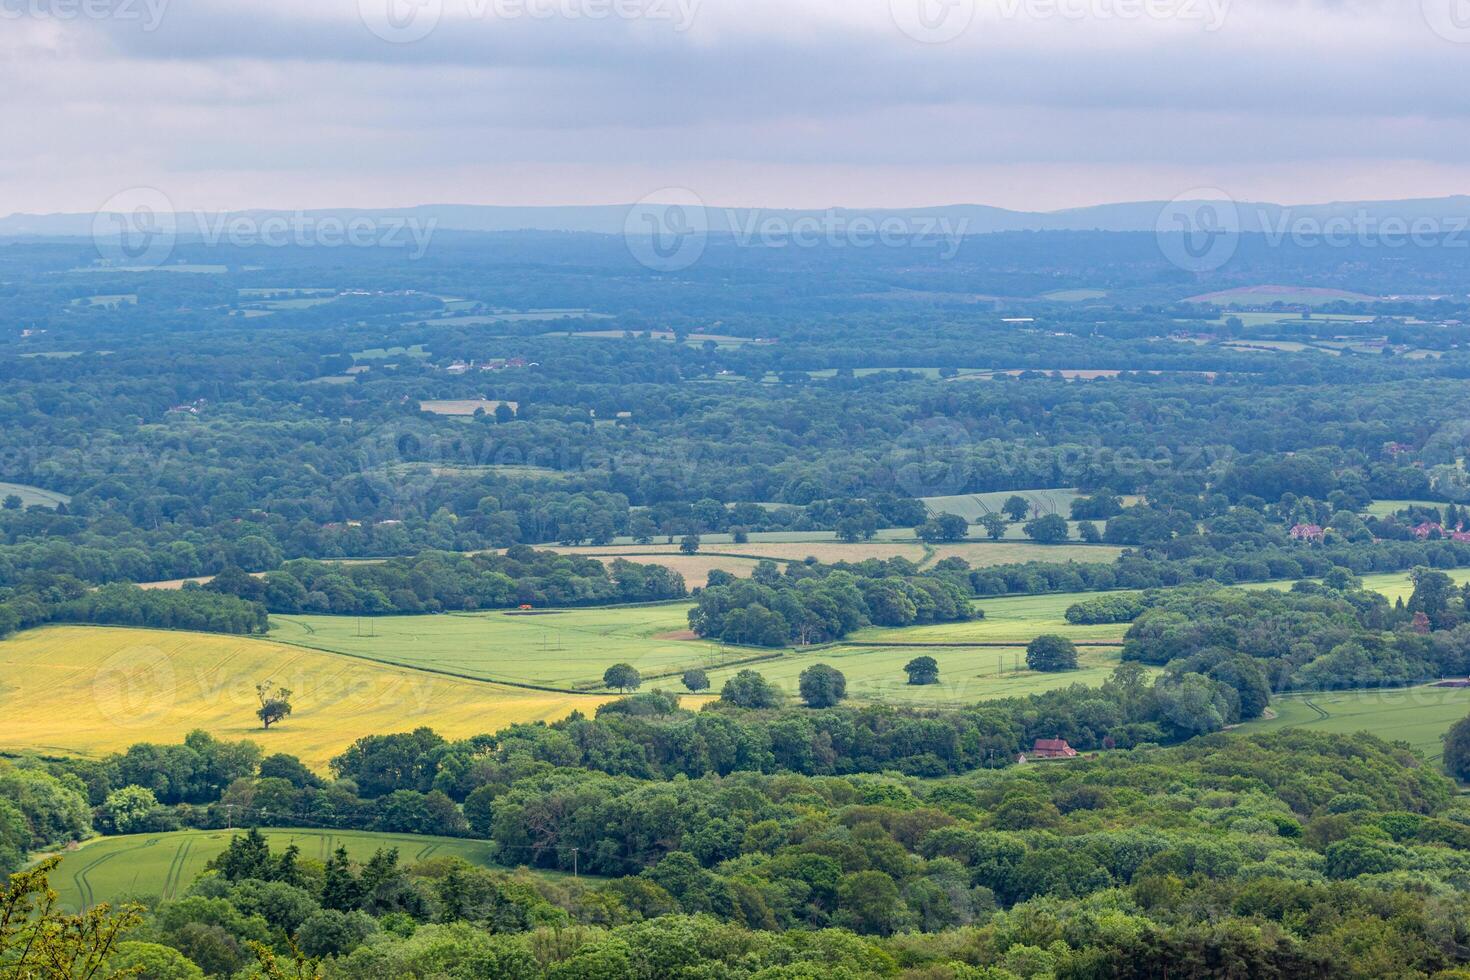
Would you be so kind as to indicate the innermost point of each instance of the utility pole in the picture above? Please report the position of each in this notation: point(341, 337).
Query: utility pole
point(574, 861)
point(229, 816)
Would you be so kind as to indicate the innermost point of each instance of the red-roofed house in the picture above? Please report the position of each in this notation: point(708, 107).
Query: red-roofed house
point(1423, 531)
point(1053, 748)
point(1308, 532)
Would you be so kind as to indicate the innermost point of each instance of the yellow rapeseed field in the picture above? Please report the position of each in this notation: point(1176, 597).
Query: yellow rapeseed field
point(90, 690)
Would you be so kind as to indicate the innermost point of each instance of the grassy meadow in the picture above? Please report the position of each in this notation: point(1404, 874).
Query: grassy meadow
point(463, 406)
point(88, 691)
point(552, 648)
point(966, 674)
point(1292, 295)
point(740, 559)
point(33, 496)
point(459, 673)
point(1387, 508)
point(1398, 585)
point(138, 865)
point(571, 648)
point(973, 506)
point(1012, 619)
point(1417, 715)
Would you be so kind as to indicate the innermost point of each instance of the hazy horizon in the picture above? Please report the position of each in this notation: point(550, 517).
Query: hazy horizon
point(1020, 104)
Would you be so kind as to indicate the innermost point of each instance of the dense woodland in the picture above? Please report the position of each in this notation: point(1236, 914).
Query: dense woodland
point(269, 429)
point(1289, 855)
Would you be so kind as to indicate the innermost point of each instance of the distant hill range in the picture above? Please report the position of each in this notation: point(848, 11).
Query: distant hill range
point(1138, 216)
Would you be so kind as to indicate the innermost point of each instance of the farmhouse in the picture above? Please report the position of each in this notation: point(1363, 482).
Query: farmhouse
point(1312, 533)
point(1428, 528)
point(1053, 748)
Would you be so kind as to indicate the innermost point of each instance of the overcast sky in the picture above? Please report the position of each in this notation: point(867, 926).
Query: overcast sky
point(1021, 103)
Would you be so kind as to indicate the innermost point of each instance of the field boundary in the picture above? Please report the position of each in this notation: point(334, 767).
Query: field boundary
point(976, 644)
point(418, 668)
point(764, 658)
point(588, 691)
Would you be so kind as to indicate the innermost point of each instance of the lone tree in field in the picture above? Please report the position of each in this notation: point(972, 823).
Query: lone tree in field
point(995, 526)
point(696, 680)
point(854, 529)
point(822, 686)
point(624, 677)
point(1457, 749)
point(1051, 654)
point(274, 705)
point(690, 544)
point(1017, 507)
point(922, 670)
point(749, 689)
point(1050, 529)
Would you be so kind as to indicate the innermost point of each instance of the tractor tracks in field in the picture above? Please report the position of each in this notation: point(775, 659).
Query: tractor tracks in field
point(1322, 713)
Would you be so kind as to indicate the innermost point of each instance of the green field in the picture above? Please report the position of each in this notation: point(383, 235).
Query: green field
point(552, 648)
point(263, 292)
point(1397, 585)
point(512, 316)
point(1417, 715)
point(966, 674)
point(1387, 508)
point(33, 495)
point(1291, 295)
point(217, 270)
point(1012, 619)
point(383, 353)
point(296, 303)
point(1074, 295)
point(111, 868)
point(973, 506)
point(569, 649)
